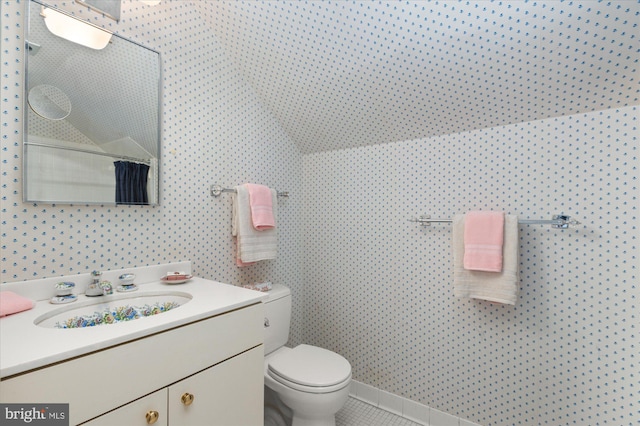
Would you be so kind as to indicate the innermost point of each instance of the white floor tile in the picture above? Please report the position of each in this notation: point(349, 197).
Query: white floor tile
point(359, 413)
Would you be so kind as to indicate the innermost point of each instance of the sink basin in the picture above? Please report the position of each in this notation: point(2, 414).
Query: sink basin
point(113, 309)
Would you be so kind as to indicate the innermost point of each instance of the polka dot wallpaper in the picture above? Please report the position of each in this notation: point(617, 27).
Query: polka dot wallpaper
point(368, 283)
point(343, 73)
point(380, 291)
point(215, 130)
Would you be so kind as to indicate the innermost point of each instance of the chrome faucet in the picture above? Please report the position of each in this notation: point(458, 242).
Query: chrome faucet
point(97, 287)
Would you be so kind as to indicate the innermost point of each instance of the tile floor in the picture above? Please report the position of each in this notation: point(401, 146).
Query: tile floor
point(358, 413)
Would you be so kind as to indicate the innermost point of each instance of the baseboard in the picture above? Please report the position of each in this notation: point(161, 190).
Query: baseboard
point(404, 407)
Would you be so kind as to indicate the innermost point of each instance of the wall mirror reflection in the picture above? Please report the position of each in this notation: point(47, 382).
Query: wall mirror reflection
point(109, 8)
point(92, 111)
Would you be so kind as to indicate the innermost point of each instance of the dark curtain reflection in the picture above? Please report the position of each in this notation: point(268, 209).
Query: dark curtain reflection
point(131, 182)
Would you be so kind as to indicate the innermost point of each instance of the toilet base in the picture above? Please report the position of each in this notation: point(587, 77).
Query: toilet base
point(331, 421)
point(320, 410)
point(298, 407)
point(275, 412)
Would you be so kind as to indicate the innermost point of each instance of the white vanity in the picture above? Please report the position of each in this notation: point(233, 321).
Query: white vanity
point(200, 363)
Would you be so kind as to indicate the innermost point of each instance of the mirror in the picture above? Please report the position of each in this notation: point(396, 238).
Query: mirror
point(92, 115)
point(109, 8)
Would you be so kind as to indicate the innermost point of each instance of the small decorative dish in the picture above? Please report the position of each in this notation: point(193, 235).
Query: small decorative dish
point(176, 279)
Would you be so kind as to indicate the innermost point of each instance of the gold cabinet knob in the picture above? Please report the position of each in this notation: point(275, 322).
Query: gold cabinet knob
point(187, 398)
point(152, 417)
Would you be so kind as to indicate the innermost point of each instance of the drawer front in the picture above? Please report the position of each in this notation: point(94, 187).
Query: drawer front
point(101, 381)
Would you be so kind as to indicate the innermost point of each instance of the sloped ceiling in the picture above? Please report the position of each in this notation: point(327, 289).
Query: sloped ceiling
point(342, 74)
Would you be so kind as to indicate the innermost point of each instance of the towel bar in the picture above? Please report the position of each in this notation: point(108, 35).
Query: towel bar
point(216, 190)
point(558, 221)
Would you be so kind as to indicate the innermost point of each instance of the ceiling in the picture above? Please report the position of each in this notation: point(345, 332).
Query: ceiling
point(344, 74)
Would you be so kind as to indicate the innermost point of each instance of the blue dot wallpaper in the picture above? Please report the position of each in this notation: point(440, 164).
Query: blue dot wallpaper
point(370, 114)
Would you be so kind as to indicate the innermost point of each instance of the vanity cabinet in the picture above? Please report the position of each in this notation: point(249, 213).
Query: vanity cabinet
point(218, 360)
point(216, 396)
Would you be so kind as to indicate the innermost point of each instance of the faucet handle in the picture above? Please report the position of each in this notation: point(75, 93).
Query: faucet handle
point(106, 287)
point(127, 279)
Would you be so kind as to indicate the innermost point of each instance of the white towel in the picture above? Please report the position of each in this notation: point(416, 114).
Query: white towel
point(500, 287)
point(253, 245)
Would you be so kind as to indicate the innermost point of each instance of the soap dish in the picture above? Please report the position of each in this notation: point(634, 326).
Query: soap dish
point(59, 300)
point(176, 279)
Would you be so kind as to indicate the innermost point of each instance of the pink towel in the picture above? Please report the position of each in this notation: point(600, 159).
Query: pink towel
point(261, 207)
point(483, 239)
point(11, 303)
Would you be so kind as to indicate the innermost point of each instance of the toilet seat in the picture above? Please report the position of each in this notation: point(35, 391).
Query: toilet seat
point(310, 369)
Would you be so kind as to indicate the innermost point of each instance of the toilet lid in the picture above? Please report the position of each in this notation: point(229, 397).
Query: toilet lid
point(311, 366)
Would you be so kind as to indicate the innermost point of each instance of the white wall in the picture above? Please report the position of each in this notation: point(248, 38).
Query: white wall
point(380, 287)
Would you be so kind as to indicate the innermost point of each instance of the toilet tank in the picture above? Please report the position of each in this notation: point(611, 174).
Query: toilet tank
point(277, 318)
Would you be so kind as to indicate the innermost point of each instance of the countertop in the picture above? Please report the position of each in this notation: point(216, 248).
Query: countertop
point(25, 346)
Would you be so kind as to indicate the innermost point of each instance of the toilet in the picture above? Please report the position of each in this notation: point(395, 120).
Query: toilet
point(305, 385)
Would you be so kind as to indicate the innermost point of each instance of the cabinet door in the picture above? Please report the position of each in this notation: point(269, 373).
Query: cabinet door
point(227, 394)
point(151, 409)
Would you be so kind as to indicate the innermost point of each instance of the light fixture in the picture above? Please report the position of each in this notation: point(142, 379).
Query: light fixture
point(75, 30)
point(151, 2)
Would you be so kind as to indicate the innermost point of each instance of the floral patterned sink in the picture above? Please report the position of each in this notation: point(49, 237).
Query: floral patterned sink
point(112, 309)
